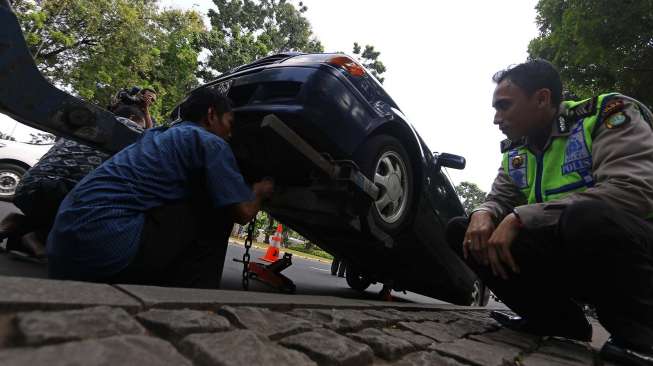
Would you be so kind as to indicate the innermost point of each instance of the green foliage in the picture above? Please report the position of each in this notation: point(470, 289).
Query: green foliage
point(310, 250)
point(246, 30)
point(370, 59)
point(599, 45)
point(96, 47)
point(471, 195)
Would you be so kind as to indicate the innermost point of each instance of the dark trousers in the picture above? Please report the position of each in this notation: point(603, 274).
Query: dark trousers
point(182, 245)
point(40, 203)
point(595, 255)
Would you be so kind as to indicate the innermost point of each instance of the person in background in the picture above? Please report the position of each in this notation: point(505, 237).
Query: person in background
point(143, 98)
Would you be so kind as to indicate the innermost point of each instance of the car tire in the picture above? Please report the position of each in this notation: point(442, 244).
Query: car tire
point(10, 176)
point(356, 279)
point(384, 160)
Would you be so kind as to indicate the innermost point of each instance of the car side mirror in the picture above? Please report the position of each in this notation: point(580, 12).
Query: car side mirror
point(448, 161)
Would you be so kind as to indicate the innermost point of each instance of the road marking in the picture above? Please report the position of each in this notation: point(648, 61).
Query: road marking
point(320, 269)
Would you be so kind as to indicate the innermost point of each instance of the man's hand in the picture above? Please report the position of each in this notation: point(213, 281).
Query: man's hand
point(264, 188)
point(481, 226)
point(498, 249)
point(244, 212)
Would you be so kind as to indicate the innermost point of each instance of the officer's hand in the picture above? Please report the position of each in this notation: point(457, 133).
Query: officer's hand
point(480, 228)
point(264, 188)
point(499, 246)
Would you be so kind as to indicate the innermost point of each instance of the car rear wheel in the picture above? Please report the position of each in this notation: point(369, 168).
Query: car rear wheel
point(356, 279)
point(384, 160)
point(10, 176)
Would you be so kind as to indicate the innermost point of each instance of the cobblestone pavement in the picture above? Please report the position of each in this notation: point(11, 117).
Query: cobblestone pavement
point(45, 322)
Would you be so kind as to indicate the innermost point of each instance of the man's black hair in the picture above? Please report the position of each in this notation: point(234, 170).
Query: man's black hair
point(533, 75)
point(196, 106)
point(128, 110)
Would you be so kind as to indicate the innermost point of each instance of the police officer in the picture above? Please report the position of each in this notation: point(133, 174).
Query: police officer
point(569, 216)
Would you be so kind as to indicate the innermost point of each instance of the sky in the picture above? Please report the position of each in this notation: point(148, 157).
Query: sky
point(440, 56)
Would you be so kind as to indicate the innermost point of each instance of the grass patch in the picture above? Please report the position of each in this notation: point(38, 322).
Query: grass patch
point(313, 251)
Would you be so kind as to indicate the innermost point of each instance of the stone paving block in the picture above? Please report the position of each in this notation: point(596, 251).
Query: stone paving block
point(180, 298)
point(477, 353)
point(435, 316)
point(122, 350)
point(479, 317)
point(425, 358)
point(463, 327)
point(524, 341)
point(272, 324)
point(329, 348)
point(542, 359)
point(417, 340)
point(437, 331)
point(175, 324)
point(383, 344)
point(390, 315)
point(339, 319)
point(238, 348)
point(572, 351)
point(41, 327)
point(22, 294)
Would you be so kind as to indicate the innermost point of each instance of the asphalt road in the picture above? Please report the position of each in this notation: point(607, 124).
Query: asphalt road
point(310, 276)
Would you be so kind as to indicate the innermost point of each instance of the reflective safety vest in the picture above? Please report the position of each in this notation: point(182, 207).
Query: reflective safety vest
point(565, 166)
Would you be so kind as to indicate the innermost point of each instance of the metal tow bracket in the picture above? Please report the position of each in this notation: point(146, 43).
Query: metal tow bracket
point(346, 171)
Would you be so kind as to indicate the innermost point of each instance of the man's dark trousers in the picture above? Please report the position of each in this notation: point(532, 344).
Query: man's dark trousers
point(182, 244)
point(596, 255)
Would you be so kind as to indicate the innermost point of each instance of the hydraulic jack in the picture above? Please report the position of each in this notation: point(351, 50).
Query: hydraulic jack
point(270, 274)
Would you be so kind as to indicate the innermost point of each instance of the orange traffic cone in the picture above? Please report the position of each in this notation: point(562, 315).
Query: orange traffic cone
point(273, 250)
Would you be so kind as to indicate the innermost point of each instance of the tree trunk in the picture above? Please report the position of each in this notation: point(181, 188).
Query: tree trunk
point(269, 230)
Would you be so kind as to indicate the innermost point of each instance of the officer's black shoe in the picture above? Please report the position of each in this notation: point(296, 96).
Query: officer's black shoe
point(580, 332)
point(626, 354)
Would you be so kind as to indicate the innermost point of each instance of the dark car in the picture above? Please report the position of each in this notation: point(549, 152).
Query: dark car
point(344, 113)
point(388, 228)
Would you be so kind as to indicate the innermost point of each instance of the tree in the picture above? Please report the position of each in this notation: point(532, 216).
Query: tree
point(596, 47)
point(370, 59)
point(471, 195)
point(96, 47)
point(246, 30)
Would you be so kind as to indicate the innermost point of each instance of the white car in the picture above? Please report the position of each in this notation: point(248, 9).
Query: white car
point(17, 157)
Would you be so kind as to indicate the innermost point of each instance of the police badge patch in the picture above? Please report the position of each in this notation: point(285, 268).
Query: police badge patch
point(517, 168)
point(577, 156)
point(613, 107)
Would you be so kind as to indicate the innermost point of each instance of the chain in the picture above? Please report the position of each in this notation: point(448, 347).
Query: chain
point(246, 257)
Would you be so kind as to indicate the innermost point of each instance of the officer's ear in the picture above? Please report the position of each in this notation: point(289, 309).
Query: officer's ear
point(543, 98)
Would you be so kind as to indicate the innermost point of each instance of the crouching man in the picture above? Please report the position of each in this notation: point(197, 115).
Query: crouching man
point(160, 211)
point(568, 220)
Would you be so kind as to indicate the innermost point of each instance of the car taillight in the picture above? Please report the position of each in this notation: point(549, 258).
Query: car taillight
point(352, 67)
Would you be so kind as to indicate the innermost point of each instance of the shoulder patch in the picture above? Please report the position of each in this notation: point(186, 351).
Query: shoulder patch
point(508, 144)
point(582, 110)
point(612, 107)
point(616, 119)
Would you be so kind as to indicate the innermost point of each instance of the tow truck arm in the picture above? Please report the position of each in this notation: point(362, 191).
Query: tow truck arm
point(29, 98)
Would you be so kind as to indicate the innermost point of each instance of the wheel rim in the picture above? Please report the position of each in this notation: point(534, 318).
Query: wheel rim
point(8, 183)
point(390, 177)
